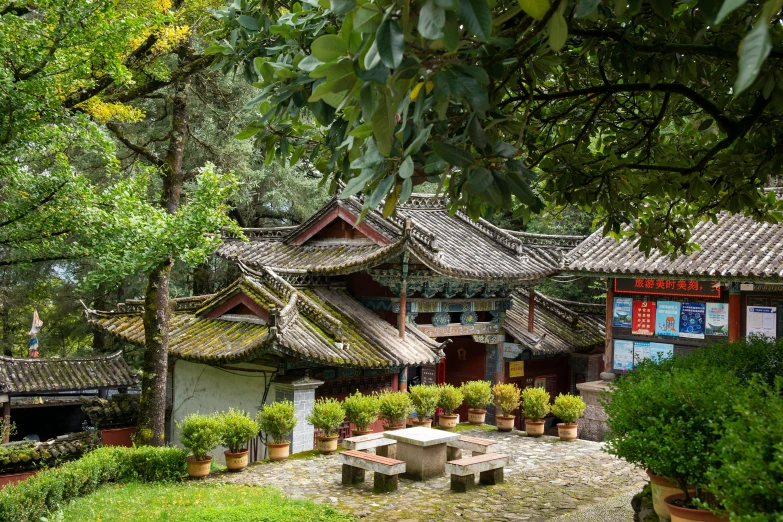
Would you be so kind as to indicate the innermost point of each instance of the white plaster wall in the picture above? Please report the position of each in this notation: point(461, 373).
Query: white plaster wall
point(207, 389)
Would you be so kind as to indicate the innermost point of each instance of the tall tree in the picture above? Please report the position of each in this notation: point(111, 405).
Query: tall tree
point(655, 114)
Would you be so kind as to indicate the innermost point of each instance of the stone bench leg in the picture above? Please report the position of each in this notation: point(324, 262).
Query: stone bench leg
point(453, 453)
point(384, 483)
point(389, 451)
point(352, 475)
point(462, 484)
point(491, 477)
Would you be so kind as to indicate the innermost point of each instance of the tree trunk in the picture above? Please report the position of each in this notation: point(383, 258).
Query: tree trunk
point(102, 341)
point(6, 341)
point(151, 422)
point(202, 279)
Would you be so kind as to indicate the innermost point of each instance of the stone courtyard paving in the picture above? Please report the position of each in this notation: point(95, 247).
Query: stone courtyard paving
point(546, 478)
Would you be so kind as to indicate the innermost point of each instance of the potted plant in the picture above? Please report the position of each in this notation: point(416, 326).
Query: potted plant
point(449, 399)
point(361, 411)
point(478, 394)
point(669, 419)
point(507, 396)
point(568, 408)
point(200, 434)
point(326, 415)
point(425, 400)
point(236, 429)
point(535, 406)
point(277, 420)
point(394, 407)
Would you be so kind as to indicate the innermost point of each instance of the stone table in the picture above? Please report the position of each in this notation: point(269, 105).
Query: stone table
point(423, 450)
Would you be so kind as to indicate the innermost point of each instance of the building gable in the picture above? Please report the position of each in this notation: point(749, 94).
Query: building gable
point(338, 223)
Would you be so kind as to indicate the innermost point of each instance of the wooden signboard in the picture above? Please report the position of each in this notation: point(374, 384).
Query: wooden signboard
point(516, 369)
point(669, 287)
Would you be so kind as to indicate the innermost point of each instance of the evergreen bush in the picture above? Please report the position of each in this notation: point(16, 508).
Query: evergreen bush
point(394, 407)
point(44, 493)
point(507, 396)
point(326, 415)
point(568, 407)
point(362, 410)
point(200, 434)
point(236, 428)
point(449, 398)
point(478, 394)
point(535, 403)
point(425, 399)
point(277, 420)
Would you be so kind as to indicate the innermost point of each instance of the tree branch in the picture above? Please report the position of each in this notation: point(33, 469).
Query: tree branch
point(138, 149)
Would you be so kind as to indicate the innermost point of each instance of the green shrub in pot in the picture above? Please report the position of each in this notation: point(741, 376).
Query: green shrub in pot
point(568, 407)
point(749, 481)
point(277, 420)
point(507, 397)
point(236, 429)
point(478, 394)
point(394, 407)
point(449, 398)
point(535, 403)
point(425, 399)
point(362, 410)
point(326, 415)
point(200, 434)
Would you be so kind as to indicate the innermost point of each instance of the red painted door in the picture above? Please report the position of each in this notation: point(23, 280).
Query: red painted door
point(465, 362)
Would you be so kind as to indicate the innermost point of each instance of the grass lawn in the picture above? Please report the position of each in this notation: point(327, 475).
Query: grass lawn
point(189, 502)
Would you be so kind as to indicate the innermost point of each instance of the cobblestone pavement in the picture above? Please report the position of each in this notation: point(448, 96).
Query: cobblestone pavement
point(546, 478)
point(616, 509)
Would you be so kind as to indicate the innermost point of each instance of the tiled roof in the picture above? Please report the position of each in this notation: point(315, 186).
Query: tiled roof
point(736, 247)
point(321, 325)
point(451, 245)
point(41, 375)
point(26, 455)
point(559, 327)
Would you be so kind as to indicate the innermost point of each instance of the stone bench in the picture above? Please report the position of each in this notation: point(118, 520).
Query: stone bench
point(463, 471)
point(385, 470)
point(383, 446)
point(472, 444)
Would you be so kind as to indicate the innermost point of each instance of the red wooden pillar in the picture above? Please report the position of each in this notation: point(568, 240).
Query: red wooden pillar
point(735, 315)
point(403, 306)
point(402, 381)
point(609, 347)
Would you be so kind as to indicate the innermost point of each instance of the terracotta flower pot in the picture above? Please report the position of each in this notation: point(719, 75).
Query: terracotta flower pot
point(278, 452)
point(683, 514)
point(505, 423)
point(662, 488)
point(118, 437)
point(426, 423)
point(198, 468)
point(567, 431)
point(327, 445)
point(476, 417)
point(448, 422)
point(534, 428)
point(357, 433)
point(12, 478)
point(236, 461)
point(393, 427)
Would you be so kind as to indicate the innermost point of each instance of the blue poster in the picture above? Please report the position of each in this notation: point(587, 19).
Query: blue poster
point(641, 351)
point(623, 355)
point(692, 320)
point(667, 318)
point(661, 351)
point(621, 316)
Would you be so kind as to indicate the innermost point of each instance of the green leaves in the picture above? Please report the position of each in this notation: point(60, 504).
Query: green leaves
point(390, 44)
point(558, 31)
point(753, 50)
point(453, 155)
point(663, 8)
point(383, 125)
point(479, 180)
point(476, 16)
point(406, 168)
point(328, 48)
point(586, 7)
point(535, 8)
point(432, 18)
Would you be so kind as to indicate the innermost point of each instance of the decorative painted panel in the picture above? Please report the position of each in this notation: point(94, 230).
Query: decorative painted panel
point(459, 329)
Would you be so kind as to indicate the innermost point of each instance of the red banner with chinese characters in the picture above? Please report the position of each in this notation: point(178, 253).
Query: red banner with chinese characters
point(643, 322)
point(672, 287)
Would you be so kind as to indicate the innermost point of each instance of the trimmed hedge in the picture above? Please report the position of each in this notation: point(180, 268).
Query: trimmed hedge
point(33, 498)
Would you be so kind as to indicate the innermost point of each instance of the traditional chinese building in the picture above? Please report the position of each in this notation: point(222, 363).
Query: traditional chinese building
point(658, 306)
point(338, 304)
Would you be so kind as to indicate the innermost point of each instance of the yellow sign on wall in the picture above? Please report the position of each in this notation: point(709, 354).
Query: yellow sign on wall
point(516, 369)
